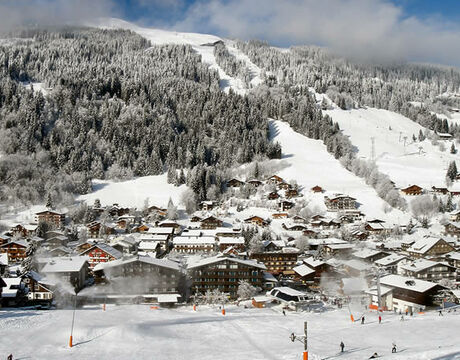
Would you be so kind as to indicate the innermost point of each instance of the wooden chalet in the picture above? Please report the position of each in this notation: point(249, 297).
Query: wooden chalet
point(284, 186)
point(24, 230)
point(412, 190)
point(169, 224)
point(284, 205)
point(94, 229)
point(140, 228)
point(369, 255)
point(117, 211)
point(273, 196)
point(275, 180)
point(143, 276)
point(390, 262)
point(294, 227)
point(454, 216)
point(428, 270)
point(40, 290)
point(235, 183)
point(291, 193)
point(255, 183)
point(53, 218)
point(340, 203)
point(319, 266)
point(16, 250)
point(72, 270)
point(231, 242)
point(443, 136)
point(317, 189)
point(277, 262)
point(280, 215)
point(452, 228)
point(304, 274)
point(207, 205)
point(211, 222)
point(429, 247)
point(101, 253)
point(224, 273)
point(14, 292)
point(194, 244)
point(256, 220)
point(195, 218)
point(155, 210)
point(439, 190)
point(410, 294)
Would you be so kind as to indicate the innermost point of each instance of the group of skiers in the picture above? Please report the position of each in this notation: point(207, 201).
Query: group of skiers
point(375, 355)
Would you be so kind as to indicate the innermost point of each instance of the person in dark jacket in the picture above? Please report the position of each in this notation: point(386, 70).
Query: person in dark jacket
point(393, 349)
point(342, 346)
point(10, 357)
point(362, 320)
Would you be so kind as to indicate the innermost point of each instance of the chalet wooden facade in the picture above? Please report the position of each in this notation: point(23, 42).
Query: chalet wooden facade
point(284, 205)
point(277, 262)
point(207, 205)
point(428, 270)
point(452, 228)
point(235, 183)
point(71, 270)
point(429, 247)
point(224, 274)
point(412, 190)
point(194, 244)
point(101, 253)
point(317, 189)
point(275, 180)
point(255, 183)
point(340, 203)
point(280, 215)
point(141, 275)
point(273, 196)
point(439, 190)
point(256, 220)
point(16, 250)
point(53, 218)
point(211, 222)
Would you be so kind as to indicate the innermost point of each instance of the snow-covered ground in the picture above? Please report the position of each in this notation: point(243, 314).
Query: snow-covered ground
point(133, 193)
point(311, 164)
point(137, 332)
point(254, 71)
point(37, 87)
point(396, 154)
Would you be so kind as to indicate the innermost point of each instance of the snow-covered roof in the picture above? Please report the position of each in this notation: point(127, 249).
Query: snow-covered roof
point(269, 277)
point(231, 240)
point(383, 290)
point(107, 249)
point(340, 246)
point(145, 259)
point(454, 255)
point(390, 259)
point(420, 265)
point(17, 242)
point(357, 264)
point(65, 264)
point(288, 291)
point(423, 245)
point(8, 291)
point(366, 253)
point(189, 240)
point(154, 237)
point(219, 258)
point(312, 262)
point(161, 230)
point(327, 241)
point(403, 282)
point(303, 270)
point(148, 245)
point(4, 259)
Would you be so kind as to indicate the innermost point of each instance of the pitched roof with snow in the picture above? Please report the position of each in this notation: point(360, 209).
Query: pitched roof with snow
point(105, 248)
point(407, 283)
point(313, 263)
point(423, 245)
point(190, 240)
point(65, 264)
point(145, 259)
point(420, 265)
point(366, 253)
point(219, 258)
point(303, 270)
point(390, 259)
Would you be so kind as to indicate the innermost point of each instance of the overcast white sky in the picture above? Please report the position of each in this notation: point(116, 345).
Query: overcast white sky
point(365, 29)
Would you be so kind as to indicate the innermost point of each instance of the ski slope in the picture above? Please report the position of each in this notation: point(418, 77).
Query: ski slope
point(199, 42)
point(133, 193)
point(396, 154)
point(311, 164)
point(137, 332)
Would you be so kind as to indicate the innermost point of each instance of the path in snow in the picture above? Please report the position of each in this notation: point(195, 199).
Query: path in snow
point(312, 165)
point(405, 161)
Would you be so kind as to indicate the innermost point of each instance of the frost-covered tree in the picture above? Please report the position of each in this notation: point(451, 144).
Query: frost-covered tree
point(246, 290)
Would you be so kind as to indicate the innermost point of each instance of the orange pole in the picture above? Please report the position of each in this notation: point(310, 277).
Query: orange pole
point(103, 307)
point(223, 311)
point(352, 318)
point(305, 355)
point(70, 341)
point(194, 307)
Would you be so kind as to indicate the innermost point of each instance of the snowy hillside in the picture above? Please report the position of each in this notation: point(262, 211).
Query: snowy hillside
point(312, 165)
point(133, 193)
point(201, 43)
point(141, 333)
point(405, 161)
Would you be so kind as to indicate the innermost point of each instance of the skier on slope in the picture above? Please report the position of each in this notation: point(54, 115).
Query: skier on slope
point(393, 349)
point(362, 320)
point(374, 356)
point(342, 346)
point(10, 357)
point(380, 319)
